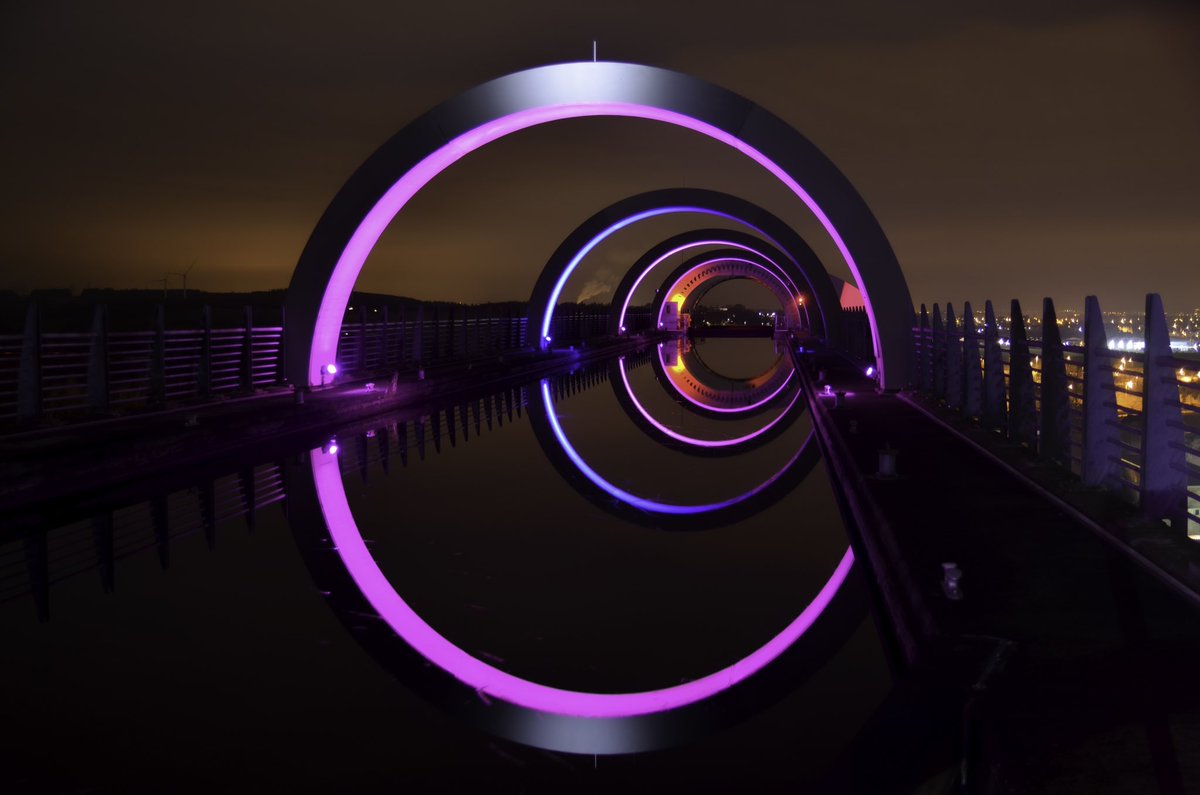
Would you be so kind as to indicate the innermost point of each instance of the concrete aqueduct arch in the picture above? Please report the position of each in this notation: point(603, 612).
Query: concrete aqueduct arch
point(350, 227)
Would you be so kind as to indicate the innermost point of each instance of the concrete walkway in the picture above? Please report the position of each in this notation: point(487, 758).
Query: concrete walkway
point(1075, 669)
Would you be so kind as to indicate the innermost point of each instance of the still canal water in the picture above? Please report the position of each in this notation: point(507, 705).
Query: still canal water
point(658, 524)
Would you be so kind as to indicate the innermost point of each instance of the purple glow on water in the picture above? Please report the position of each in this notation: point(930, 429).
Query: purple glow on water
point(492, 682)
point(704, 442)
point(354, 255)
point(642, 503)
point(735, 410)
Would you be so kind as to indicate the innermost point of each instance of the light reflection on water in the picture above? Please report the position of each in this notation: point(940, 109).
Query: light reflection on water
point(493, 545)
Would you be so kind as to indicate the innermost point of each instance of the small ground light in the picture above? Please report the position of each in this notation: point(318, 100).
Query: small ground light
point(951, 577)
point(871, 371)
point(330, 448)
point(331, 369)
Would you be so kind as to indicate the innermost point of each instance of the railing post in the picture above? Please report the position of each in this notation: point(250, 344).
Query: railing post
point(159, 519)
point(385, 331)
point(1054, 436)
point(437, 335)
point(953, 361)
point(97, 381)
point(281, 349)
point(204, 374)
point(994, 411)
point(158, 357)
point(1164, 472)
point(360, 347)
point(102, 537)
point(1100, 450)
point(402, 337)
point(246, 375)
point(419, 337)
point(37, 566)
point(924, 358)
point(972, 374)
point(29, 374)
point(938, 345)
point(1022, 415)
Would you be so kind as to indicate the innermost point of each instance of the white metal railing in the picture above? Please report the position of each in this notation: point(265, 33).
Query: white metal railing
point(1124, 420)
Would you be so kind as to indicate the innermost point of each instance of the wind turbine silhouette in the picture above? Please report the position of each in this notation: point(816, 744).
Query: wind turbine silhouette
point(184, 274)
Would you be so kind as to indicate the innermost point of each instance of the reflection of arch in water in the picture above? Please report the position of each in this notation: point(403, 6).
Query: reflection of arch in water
point(687, 285)
point(788, 404)
point(655, 513)
point(679, 364)
point(525, 711)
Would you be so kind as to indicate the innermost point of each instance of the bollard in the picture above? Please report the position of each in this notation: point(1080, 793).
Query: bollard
point(887, 462)
point(951, 575)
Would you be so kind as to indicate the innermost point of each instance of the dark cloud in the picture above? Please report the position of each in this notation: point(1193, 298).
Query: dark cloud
point(1008, 149)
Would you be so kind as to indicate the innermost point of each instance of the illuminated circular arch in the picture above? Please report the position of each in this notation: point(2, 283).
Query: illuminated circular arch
point(550, 717)
point(349, 229)
point(694, 389)
point(642, 417)
point(693, 278)
point(774, 259)
point(646, 505)
point(790, 254)
point(353, 585)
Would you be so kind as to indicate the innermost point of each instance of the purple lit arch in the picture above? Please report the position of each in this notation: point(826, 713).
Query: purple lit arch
point(329, 266)
point(696, 276)
point(773, 239)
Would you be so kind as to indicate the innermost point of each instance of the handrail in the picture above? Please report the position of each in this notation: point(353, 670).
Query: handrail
point(1152, 388)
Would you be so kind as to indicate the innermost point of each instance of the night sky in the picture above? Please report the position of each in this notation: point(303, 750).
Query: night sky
point(1009, 152)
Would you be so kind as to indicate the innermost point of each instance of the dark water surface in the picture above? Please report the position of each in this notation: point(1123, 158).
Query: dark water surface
point(261, 665)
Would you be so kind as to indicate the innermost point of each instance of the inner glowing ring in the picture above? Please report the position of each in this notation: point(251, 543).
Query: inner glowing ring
point(331, 492)
point(573, 263)
point(487, 679)
point(705, 264)
point(721, 409)
point(641, 502)
point(694, 244)
point(679, 437)
point(341, 281)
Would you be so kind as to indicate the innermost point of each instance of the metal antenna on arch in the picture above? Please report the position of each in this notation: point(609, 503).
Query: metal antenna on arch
point(593, 50)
